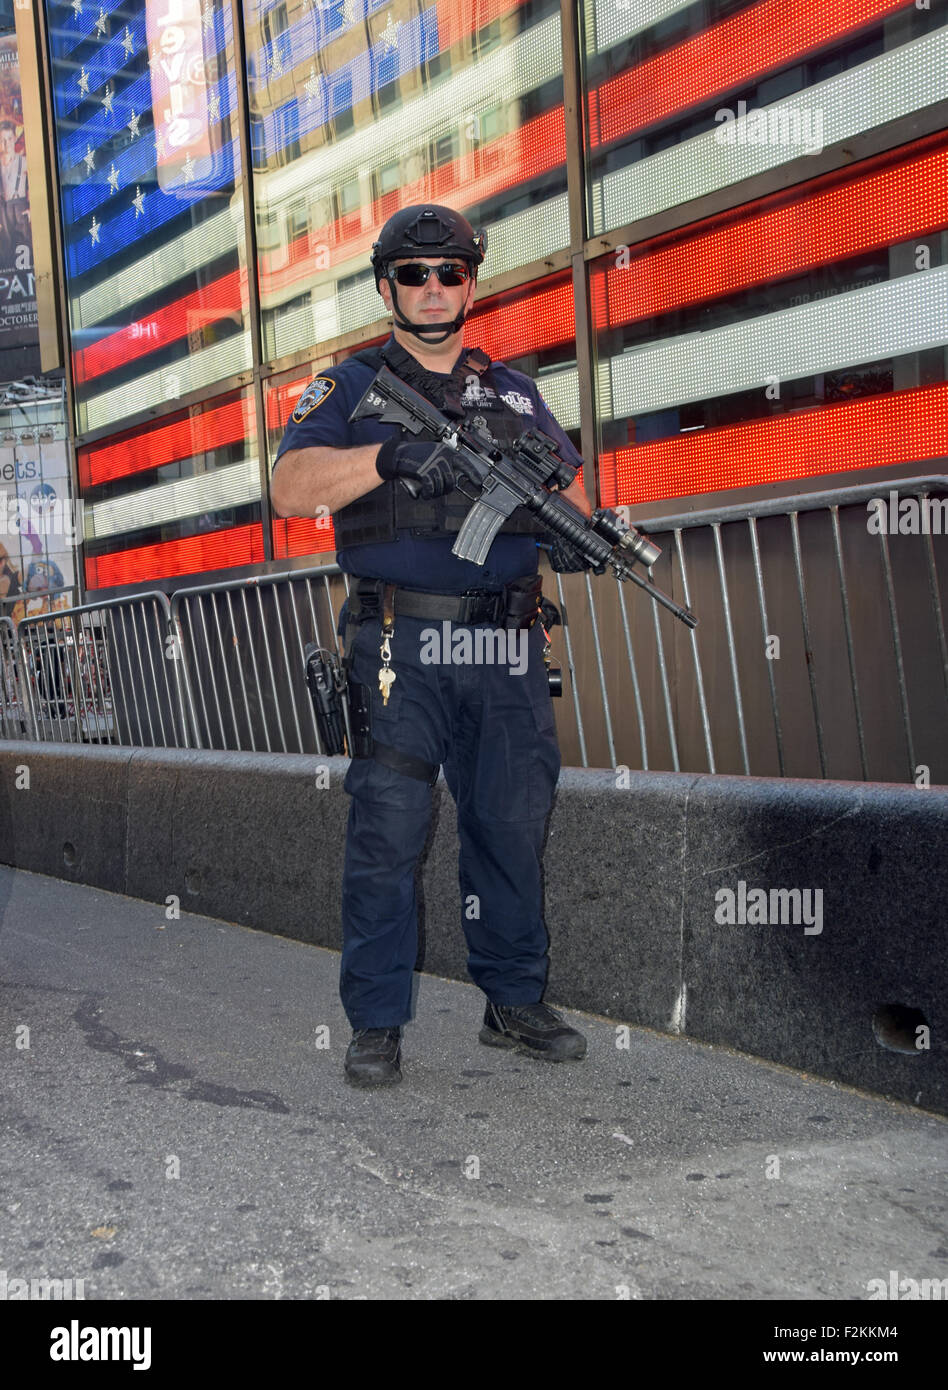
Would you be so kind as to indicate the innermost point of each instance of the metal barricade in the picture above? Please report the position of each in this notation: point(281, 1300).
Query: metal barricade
point(14, 716)
point(104, 672)
point(820, 650)
point(242, 644)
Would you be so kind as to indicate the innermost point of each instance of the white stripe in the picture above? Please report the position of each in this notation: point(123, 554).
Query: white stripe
point(608, 21)
point(560, 390)
point(880, 321)
point(177, 258)
point(202, 368)
point(527, 236)
point(888, 320)
point(324, 316)
point(895, 84)
point(232, 486)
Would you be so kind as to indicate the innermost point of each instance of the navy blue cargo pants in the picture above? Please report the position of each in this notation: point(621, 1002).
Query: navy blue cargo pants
point(493, 732)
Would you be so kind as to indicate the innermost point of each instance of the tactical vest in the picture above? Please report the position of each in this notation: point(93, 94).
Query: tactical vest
point(471, 394)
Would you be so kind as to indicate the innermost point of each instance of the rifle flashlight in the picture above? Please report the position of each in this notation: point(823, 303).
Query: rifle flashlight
point(618, 532)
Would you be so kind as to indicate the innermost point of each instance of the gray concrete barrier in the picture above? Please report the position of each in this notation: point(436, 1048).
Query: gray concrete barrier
point(802, 922)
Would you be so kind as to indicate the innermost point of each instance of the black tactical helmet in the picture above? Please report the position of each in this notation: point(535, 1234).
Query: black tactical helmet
point(427, 229)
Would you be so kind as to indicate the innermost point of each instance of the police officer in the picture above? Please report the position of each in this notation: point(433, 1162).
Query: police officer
point(489, 724)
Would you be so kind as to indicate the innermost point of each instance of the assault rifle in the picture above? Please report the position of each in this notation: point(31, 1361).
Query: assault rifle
point(523, 474)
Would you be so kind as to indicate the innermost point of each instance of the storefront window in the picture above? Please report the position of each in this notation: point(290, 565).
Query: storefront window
point(39, 522)
point(460, 104)
point(179, 497)
point(799, 335)
point(685, 99)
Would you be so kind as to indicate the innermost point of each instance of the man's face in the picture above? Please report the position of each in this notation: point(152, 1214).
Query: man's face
point(7, 145)
point(431, 302)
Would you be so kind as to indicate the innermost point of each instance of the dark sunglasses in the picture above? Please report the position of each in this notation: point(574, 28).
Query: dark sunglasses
point(415, 275)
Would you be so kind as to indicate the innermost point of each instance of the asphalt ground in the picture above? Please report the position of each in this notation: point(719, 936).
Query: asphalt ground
point(178, 1128)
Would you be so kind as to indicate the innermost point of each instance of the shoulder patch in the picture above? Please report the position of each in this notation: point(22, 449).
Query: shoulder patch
point(314, 395)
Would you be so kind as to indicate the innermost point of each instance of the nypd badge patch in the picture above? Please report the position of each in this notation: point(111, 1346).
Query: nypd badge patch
point(314, 395)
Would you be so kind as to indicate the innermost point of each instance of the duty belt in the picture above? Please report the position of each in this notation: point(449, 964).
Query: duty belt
point(516, 605)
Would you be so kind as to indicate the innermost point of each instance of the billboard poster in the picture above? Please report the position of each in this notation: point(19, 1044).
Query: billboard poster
point(18, 317)
point(179, 78)
point(37, 531)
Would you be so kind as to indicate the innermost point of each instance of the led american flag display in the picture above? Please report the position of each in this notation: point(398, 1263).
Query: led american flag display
point(149, 163)
point(355, 108)
point(144, 98)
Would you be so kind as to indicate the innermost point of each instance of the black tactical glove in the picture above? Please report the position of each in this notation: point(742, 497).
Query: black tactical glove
point(424, 465)
point(566, 559)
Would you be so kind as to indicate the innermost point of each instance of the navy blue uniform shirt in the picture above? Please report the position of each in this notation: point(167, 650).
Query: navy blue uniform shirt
point(321, 419)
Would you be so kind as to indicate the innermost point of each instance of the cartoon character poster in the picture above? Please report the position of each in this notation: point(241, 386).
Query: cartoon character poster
point(37, 531)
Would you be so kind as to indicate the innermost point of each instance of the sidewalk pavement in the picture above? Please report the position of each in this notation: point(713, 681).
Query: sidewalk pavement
point(178, 1129)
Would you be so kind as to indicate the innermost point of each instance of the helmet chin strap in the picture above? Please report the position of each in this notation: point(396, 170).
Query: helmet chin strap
point(445, 329)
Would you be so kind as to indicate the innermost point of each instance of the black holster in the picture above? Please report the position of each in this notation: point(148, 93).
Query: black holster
point(326, 679)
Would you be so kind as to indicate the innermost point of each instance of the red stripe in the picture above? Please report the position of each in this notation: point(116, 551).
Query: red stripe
point(881, 431)
point(224, 298)
point(527, 324)
point(300, 535)
point(759, 40)
point(150, 448)
point(281, 400)
point(536, 321)
point(457, 22)
point(910, 199)
point(240, 545)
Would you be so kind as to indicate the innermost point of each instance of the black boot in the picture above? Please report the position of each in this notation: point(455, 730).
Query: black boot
point(373, 1057)
point(535, 1029)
